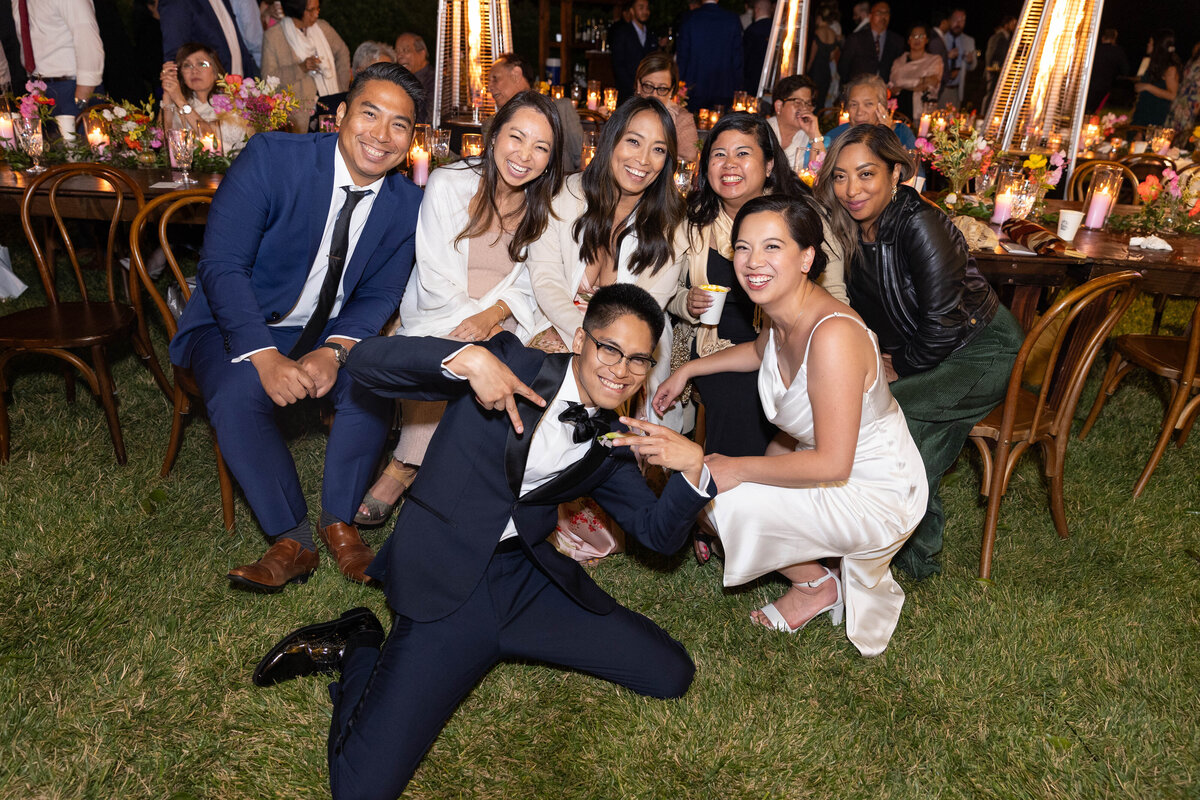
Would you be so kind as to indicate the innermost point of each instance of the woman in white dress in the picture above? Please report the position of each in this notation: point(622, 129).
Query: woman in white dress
point(851, 486)
point(478, 220)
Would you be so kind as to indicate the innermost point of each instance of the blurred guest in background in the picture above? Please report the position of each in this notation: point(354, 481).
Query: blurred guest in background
point(413, 55)
point(709, 52)
point(997, 51)
point(630, 43)
point(214, 23)
point(306, 53)
point(658, 77)
point(1158, 85)
point(1108, 64)
point(754, 44)
point(872, 50)
point(917, 75)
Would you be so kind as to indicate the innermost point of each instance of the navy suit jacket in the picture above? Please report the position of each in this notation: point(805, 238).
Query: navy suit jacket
point(264, 228)
point(186, 21)
point(858, 55)
point(469, 484)
point(709, 53)
point(627, 53)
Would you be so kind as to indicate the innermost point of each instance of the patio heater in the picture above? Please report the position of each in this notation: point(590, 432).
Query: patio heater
point(1039, 100)
point(787, 45)
point(471, 34)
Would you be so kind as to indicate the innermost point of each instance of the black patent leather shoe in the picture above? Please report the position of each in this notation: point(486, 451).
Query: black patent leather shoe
point(318, 648)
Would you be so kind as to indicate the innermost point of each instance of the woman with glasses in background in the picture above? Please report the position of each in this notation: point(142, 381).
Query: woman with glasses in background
point(795, 123)
point(917, 75)
point(188, 84)
point(658, 77)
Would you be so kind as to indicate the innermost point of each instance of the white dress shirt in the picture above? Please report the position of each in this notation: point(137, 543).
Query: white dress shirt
point(249, 24)
point(304, 307)
point(553, 448)
point(65, 39)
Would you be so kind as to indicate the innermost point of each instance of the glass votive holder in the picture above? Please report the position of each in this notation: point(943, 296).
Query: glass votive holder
point(556, 93)
point(1101, 197)
point(593, 95)
point(472, 145)
point(739, 101)
point(610, 100)
point(1010, 196)
point(702, 116)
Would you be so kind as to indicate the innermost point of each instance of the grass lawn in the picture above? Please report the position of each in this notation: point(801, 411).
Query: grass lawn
point(125, 657)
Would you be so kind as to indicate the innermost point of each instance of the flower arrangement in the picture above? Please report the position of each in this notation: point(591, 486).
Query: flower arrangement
point(36, 103)
point(133, 135)
point(1170, 204)
point(1109, 123)
point(1045, 172)
point(259, 101)
point(958, 152)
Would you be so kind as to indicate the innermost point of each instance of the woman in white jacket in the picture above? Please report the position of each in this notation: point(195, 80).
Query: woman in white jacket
point(477, 220)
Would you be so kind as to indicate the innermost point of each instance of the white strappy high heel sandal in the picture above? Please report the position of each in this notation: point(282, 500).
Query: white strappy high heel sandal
point(836, 609)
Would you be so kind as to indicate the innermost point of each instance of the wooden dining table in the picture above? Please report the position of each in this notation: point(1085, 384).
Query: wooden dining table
point(86, 197)
point(1022, 279)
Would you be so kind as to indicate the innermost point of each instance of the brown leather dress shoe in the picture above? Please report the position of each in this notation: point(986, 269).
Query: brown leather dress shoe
point(285, 562)
point(352, 556)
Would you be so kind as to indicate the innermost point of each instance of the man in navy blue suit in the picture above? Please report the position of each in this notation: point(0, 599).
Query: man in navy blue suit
point(468, 571)
point(871, 50)
point(308, 248)
point(709, 53)
point(209, 22)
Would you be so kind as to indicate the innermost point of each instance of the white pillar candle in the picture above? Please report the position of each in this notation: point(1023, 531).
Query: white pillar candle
point(1003, 210)
point(923, 131)
point(420, 165)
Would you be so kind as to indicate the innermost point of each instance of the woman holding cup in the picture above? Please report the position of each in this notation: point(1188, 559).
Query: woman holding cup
point(741, 160)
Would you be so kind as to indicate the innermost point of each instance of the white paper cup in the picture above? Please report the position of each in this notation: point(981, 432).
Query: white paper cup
point(712, 315)
point(1068, 224)
point(1138, 147)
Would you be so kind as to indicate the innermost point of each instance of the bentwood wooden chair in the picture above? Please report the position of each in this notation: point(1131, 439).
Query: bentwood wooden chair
point(1081, 179)
point(184, 394)
point(1145, 164)
point(1172, 357)
point(78, 332)
point(1079, 322)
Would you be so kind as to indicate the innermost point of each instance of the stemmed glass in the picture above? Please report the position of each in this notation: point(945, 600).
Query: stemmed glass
point(182, 141)
point(29, 136)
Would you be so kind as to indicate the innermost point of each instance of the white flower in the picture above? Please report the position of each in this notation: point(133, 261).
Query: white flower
point(120, 112)
point(951, 199)
point(107, 114)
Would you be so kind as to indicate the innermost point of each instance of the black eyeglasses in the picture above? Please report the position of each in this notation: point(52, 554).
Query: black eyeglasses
point(801, 104)
point(611, 356)
point(650, 88)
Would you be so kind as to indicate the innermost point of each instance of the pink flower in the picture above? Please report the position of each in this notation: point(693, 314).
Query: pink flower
point(1052, 178)
point(35, 86)
point(1058, 159)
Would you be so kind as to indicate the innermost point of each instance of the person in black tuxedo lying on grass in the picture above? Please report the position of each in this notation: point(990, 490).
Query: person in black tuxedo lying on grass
point(467, 571)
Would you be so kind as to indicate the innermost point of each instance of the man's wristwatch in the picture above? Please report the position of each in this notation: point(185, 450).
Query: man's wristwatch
point(339, 352)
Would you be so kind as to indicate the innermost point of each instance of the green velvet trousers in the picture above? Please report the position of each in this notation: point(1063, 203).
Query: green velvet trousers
point(941, 406)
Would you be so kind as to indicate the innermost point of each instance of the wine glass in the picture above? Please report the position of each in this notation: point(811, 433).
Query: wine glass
point(182, 141)
point(29, 136)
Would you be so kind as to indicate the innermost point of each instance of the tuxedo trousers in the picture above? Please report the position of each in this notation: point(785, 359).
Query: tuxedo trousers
point(391, 703)
point(244, 417)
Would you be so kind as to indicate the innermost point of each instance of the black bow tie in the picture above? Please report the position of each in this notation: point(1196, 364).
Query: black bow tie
point(586, 427)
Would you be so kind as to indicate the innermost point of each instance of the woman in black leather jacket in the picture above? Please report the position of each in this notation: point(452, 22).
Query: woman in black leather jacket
point(948, 344)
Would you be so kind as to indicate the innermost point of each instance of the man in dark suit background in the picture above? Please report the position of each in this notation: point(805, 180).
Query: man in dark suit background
point(186, 21)
point(630, 42)
point(307, 250)
point(468, 571)
point(872, 50)
point(709, 53)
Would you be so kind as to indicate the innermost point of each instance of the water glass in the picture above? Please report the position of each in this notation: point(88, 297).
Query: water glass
point(685, 173)
point(441, 145)
point(472, 145)
point(29, 137)
point(181, 142)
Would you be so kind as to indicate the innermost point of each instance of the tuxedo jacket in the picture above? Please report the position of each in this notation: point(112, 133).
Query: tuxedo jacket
point(858, 55)
point(264, 228)
point(186, 21)
point(469, 485)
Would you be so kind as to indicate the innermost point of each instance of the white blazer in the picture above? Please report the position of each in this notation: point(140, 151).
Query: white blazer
point(556, 270)
point(436, 299)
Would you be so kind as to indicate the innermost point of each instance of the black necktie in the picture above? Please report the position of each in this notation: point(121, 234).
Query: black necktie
point(586, 427)
point(338, 247)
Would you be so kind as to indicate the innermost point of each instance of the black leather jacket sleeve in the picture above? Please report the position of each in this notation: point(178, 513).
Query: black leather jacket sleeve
point(936, 258)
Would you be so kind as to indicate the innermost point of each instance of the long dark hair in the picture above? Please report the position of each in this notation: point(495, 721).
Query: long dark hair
point(658, 212)
point(539, 192)
point(703, 204)
point(886, 146)
point(1163, 56)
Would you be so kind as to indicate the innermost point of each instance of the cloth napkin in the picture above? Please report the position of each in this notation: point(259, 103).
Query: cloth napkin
point(1038, 239)
point(1150, 243)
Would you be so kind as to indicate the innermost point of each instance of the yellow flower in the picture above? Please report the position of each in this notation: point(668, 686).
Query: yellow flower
point(1035, 161)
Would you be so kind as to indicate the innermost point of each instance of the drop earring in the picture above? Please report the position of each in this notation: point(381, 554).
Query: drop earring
point(895, 188)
